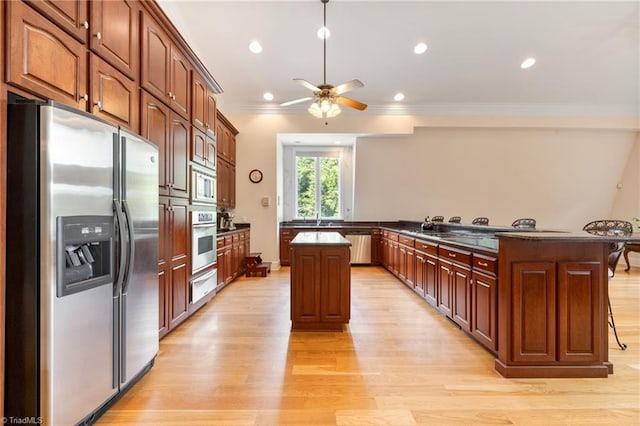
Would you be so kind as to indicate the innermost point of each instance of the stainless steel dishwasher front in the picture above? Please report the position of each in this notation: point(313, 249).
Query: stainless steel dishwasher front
point(360, 246)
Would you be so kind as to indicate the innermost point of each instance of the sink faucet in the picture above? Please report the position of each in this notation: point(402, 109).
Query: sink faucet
point(318, 220)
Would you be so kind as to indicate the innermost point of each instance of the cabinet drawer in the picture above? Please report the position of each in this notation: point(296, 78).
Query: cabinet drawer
point(455, 255)
point(406, 240)
point(287, 232)
point(376, 232)
point(485, 263)
point(228, 239)
point(426, 247)
point(393, 236)
point(220, 242)
point(235, 238)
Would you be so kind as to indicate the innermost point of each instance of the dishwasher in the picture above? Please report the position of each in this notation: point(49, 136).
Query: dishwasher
point(360, 246)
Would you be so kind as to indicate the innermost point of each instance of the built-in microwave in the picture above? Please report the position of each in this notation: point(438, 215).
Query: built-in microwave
point(203, 186)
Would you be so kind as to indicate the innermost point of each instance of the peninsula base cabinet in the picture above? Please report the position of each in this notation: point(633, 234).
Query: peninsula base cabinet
point(553, 309)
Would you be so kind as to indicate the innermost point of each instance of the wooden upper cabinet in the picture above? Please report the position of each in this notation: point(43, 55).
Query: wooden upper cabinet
point(165, 71)
point(203, 149)
point(156, 54)
point(203, 106)
point(180, 83)
point(154, 125)
point(113, 96)
point(43, 59)
point(114, 34)
point(70, 15)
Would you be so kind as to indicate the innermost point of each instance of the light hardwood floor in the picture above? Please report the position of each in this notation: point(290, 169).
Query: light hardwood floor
point(400, 363)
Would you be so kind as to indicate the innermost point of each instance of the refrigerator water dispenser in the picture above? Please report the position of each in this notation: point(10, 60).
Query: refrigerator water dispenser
point(84, 253)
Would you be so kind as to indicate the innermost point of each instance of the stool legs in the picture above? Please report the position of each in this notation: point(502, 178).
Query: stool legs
point(612, 324)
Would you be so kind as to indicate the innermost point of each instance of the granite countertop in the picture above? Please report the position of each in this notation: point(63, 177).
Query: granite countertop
point(320, 238)
point(578, 236)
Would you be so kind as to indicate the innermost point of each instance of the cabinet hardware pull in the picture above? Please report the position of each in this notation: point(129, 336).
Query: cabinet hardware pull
point(99, 35)
point(85, 97)
point(85, 25)
point(483, 263)
point(99, 105)
point(170, 95)
point(452, 255)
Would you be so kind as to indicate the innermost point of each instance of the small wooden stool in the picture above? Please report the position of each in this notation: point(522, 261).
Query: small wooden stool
point(254, 265)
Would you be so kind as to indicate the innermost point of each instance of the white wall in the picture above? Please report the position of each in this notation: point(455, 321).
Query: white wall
point(561, 171)
point(562, 178)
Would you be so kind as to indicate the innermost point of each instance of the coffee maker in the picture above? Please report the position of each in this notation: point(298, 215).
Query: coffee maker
point(225, 221)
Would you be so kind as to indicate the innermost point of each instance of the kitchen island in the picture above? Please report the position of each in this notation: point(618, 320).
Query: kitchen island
point(320, 281)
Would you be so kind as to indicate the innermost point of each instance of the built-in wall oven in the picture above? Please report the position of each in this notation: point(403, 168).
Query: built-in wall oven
point(203, 240)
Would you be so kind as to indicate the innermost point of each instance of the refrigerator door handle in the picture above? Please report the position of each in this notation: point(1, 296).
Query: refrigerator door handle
point(116, 343)
point(132, 250)
point(121, 264)
point(123, 339)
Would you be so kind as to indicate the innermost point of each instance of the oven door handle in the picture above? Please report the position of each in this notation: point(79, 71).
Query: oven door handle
point(204, 225)
point(205, 276)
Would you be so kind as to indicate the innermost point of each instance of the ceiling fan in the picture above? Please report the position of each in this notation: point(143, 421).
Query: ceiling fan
point(325, 96)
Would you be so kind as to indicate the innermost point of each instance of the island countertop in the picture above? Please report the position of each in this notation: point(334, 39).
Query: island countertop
point(320, 238)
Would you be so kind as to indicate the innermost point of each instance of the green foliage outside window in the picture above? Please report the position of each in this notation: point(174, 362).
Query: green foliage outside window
point(315, 173)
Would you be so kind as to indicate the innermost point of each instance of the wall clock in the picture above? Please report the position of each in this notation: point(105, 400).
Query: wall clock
point(255, 175)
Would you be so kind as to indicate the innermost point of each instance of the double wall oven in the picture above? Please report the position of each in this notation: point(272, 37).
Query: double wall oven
point(203, 232)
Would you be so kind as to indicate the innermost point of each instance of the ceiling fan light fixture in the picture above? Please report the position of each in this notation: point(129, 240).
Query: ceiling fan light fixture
point(315, 110)
point(333, 111)
point(325, 105)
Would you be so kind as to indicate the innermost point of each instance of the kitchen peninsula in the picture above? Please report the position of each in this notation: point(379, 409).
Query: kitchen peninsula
point(320, 281)
point(537, 300)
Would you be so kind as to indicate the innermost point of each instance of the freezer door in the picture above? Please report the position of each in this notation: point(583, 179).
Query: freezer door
point(139, 308)
point(76, 329)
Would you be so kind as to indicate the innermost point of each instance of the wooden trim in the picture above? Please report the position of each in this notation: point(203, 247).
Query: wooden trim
point(158, 14)
point(225, 122)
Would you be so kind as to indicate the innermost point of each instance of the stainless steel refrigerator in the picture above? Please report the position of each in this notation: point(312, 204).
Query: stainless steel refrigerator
point(82, 250)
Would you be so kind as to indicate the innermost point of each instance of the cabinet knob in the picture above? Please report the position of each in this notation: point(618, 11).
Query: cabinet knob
point(99, 35)
point(85, 97)
point(85, 25)
point(170, 95)
point(99, 105)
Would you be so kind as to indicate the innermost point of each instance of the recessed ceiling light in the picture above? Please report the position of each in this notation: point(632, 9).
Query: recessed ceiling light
point(324, 33)
point(420, 48)
point(255, 46)
point(268, 96)
point(337, 142)
point(527, 63)
point(398, 97)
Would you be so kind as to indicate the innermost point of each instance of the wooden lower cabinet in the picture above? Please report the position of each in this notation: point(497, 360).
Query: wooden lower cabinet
point(173, 271)
point(484, 300)
point(320, 287)
point(552, 309)
point(231, 252)
point(286, 235)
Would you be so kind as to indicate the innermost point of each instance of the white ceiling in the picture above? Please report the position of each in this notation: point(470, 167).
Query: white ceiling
point(588, 54)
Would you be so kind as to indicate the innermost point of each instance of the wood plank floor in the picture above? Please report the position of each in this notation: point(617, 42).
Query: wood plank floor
point(400, 363)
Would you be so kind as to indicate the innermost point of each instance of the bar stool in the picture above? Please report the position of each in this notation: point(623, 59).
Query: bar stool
point(455, 219)
point(437, 219)
point(611, 228)
point(480, 221)
point(524, 223)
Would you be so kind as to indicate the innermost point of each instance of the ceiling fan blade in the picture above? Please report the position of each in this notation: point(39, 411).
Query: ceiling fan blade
point(350, 103)
point(345, 87)
point(306, 84)
point(297, 101)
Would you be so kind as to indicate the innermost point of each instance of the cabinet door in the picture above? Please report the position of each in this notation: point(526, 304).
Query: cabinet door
point(232, 147)
point(431, 280)
point(305, 286)
point(221, 271)
point(179, 83)
point(198, 143)
point(410, 267)
point(211, 109)
point(70, 15)
point(179, 136)
point(198, 102)
point(231, 188)
point(484, 299)
point(334, 285)
point(222, 197)
point(180, 241)
point(155, 59)
point(164, 230)
point(114, 34)
point(155, 119)
point(163, 298)
point(533, 320)
point(113, 96)
point(210, 153)
point(179, 294)
point(580, 317)
point(45, 60)
point(461, 289)
point(445, 299)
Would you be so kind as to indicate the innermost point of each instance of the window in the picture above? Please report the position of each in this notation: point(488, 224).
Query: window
point(317, 186)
